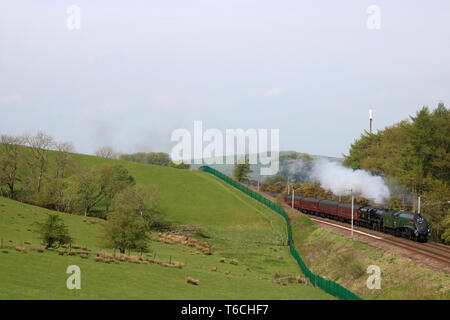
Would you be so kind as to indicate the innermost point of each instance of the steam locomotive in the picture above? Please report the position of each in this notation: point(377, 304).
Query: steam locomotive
point(405, 224)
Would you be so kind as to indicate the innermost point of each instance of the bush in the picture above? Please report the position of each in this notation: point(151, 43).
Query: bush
point(54, 232)
point(179, 165)
point(126, 231)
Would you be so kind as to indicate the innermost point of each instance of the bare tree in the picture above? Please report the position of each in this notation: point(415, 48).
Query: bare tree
point(63, 157)
point(107, 152)
point(10, 162)
point(39, 143)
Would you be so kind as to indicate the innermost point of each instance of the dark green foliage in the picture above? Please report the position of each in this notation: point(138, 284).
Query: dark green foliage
point(126, 231)
point(55, 195)
point(87, 190)
point(10, 164)
point(416, 155)
point(180, 165)
point(92, 187)
point(358, 150)
point(54, 232)
point(135, 209)
point(113, 179)
point(156, 158)
point(242, 170)
point(144, 202)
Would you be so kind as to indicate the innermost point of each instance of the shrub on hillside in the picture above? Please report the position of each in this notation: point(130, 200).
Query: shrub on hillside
point(126, 231)
point(54, 232)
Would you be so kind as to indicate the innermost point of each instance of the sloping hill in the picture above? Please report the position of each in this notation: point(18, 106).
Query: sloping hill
point(237, 226)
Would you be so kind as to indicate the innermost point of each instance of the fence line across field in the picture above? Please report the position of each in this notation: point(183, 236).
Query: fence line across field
point(328, 286)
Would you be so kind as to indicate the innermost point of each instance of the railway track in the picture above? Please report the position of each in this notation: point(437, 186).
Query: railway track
point(438, 246)
point(432, 250)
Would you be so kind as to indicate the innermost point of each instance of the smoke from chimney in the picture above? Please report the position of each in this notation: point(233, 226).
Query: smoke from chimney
point(338, 179)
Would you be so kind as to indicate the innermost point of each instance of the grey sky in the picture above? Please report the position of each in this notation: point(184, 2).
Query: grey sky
point(139, 69)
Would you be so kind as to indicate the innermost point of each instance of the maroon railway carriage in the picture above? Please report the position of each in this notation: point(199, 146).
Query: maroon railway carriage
point(345, 211)
point(288, 200)
point(328, 207)
point(297, 201)
point(333, 209)
point(309, 204)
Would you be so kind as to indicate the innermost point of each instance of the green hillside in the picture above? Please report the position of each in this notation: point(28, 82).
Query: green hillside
point(234, 224)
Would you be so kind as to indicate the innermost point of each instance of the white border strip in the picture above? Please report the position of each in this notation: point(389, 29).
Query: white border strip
point(336, 225)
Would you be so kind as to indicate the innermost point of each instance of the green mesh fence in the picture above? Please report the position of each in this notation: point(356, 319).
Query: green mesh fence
point(328, 286)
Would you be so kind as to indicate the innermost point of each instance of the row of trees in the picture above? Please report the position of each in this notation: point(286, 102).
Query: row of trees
point(136, 212)
point(127, 228)
point(37, 170)
point(155, 158)
point(40, 171)
point(308, 189)
point(28, 166)
point(414, 154)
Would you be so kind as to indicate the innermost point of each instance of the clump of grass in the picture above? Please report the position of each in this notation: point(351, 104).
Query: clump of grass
point(177, 264)
point(347, 266)
point(170, 238)
point(192, 281)
point(300, 280)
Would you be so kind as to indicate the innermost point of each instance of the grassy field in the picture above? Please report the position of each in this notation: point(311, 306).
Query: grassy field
point(236, 226)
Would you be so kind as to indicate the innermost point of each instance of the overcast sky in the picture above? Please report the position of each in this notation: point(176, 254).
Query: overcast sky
point(137, 70)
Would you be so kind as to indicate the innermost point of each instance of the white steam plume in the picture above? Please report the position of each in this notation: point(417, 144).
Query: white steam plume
point(339, 180)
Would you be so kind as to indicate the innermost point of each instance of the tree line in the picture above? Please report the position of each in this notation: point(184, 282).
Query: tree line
point(414, 155)
point(36, 169)
point(155, 158)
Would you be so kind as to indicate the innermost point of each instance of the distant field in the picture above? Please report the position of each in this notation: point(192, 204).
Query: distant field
point(236, 225)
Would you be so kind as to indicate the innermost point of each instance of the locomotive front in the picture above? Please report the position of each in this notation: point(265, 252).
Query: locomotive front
point(422, 231)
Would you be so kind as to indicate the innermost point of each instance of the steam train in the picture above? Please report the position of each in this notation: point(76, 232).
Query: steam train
point(405, 224)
